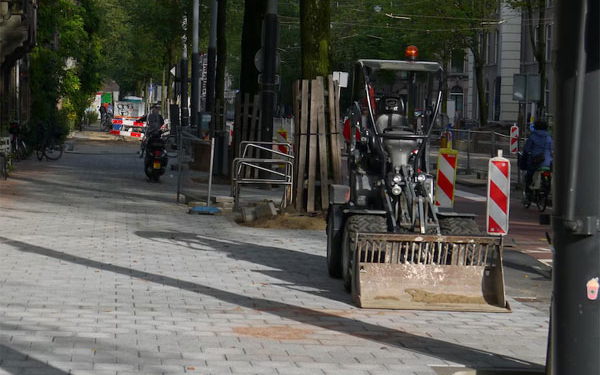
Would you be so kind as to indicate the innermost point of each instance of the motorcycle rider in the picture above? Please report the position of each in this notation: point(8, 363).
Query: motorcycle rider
point(536, 154)
point(155, 123)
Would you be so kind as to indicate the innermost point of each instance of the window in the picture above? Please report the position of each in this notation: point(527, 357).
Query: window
point(487, 95)
point(457, 62)
point(548, 43)
point(491, 47)
point(456, 94)
point(497, 88)
point(536, 40)
point(481, 48)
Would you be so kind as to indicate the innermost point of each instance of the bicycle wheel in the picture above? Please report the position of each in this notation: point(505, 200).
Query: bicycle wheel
point(39, 151)
point(542, 201)
point(53, 150)
point(21, 150)
point(526, 200)
point(3, 167)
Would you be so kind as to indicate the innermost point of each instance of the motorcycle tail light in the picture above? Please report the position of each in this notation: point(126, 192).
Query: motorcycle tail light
point(157, 153)
point(546, 174)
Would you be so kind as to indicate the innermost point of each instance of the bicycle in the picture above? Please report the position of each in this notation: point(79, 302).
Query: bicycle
point(50, 146)
point(18, 148)
point(539, 190)
point(4, 157)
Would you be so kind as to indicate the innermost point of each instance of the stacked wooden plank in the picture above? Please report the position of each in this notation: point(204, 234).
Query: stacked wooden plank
point(317, 147)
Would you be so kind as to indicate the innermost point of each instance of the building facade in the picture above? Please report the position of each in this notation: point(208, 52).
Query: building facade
point(18, 26)
point(501, 52)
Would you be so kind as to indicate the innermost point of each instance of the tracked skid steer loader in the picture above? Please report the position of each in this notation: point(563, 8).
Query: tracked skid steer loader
point(388, 241)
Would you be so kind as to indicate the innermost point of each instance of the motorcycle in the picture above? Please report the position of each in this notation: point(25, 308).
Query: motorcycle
point(156, 158)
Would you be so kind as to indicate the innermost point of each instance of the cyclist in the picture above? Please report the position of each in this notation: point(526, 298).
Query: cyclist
point(537, 153)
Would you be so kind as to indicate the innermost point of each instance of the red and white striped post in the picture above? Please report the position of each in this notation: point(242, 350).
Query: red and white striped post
point(446, 177)
point(498, 197)
point(514, 139)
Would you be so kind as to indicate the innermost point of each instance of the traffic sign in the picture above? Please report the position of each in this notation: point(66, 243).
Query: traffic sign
point(446, 177)
point(514, 139)
point(498, 197)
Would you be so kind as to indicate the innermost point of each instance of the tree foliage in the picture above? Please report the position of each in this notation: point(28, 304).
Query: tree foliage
point(64, 64)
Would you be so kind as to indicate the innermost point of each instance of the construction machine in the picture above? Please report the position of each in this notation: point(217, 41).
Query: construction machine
point(386, 238)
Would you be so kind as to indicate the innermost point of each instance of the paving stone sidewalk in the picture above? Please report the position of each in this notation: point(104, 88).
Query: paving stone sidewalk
point(102, 273)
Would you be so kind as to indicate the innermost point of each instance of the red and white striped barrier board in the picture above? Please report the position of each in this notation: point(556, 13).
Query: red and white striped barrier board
point(446, 177)
point(514, 139)
point(123, 133)
point(498, 199)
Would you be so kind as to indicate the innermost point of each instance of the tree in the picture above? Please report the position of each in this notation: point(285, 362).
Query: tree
point(64, 63)
point(221, 51)
point(315, 19)
point(449, 25)
point(536, 9)
point(254, 13)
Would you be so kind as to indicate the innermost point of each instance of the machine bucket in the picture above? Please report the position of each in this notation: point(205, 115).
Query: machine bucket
point(429, 272)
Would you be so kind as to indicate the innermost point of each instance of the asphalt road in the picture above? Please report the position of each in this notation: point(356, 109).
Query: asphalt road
point(527, 255)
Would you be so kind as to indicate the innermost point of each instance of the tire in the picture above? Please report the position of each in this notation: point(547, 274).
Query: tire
point(459, 226)
point(357, 224)
point(39, 151)
point(542, 201)
point(334, 251)
point(526, 201)
point(21, 150)
point(53, 151)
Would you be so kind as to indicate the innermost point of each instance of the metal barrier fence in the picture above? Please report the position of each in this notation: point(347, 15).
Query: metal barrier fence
point(277, 168)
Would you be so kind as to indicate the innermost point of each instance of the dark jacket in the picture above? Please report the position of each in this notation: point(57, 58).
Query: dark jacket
point(539, 142)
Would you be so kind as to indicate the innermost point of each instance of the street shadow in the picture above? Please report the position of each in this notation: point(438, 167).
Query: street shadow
point(10, 359)
point(448, 351)
point(298, 270)
point(49, 188)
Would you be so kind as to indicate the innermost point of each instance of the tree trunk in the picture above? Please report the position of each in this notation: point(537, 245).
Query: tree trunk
point(315, 38)
point(221, 52)
point(254, 12)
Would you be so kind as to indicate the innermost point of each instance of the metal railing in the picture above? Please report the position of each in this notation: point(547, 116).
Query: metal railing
point(246, 169)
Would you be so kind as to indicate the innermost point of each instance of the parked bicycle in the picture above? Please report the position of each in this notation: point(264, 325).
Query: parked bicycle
point(18, 148)
point(51, 143)
point(4, 157)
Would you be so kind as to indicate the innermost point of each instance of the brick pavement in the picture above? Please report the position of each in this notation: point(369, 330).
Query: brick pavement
point(101, 273)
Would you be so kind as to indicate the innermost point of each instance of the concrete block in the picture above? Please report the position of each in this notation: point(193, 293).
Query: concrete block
point(248, 214)
point(223, 199)
point(196, 204)
point(266, 210)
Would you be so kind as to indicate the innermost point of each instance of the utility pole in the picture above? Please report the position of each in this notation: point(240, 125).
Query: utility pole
point(212, 62)
point(195, 67)
point(184, 78)
point(575, 319)
point(270, 35)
